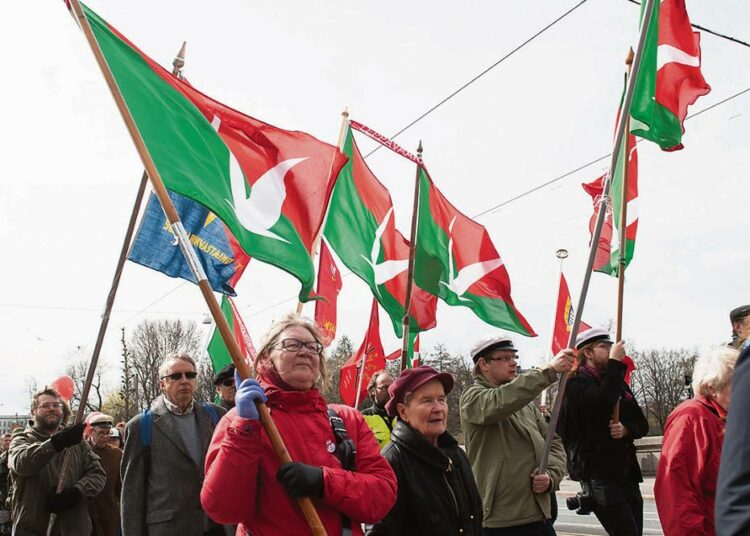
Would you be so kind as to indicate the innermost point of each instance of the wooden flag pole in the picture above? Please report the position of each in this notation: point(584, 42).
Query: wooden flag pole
point(623, 234)
point(178, 64)
point(412, 255)
point(306, 505)
point(319, 235)
point(555, 416)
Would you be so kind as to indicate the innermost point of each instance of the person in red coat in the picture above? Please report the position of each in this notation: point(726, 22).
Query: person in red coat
point(685, 488)
point(245, 483)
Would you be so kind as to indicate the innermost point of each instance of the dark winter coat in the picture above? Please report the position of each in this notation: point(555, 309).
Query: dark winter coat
point(584, 426)
point(437, 494)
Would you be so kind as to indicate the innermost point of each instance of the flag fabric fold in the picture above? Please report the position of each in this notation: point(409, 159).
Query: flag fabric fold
point(457, 262)
point(218, 351)
point(669, 77)
point(361, 229)
point(564, 318)
point(155, 247)
point(329, 286)
point(268, 185)
point(608, 249)
point(374, 360)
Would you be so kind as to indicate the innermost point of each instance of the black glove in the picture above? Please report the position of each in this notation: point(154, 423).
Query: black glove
point(67, 498)
point(67, 437)
point(301, 480)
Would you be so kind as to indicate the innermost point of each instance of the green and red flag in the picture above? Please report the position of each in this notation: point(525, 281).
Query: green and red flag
point(268, 185)
point(361, 229)
point(353, 374)
point(608, 250)
point(669, 76)
point(217, 350)
point(456, 261)
point(329, 286)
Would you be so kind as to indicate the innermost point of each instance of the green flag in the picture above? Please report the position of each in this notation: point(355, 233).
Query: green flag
point(269, 186)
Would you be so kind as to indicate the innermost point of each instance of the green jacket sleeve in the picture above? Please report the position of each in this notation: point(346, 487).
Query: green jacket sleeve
point(556, 466)
point(94, 478)
point(28, 457)
point(481, 405)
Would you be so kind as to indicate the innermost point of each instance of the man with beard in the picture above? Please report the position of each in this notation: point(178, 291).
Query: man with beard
point(104, 509)
point(376, 416)
point(163, 459)
point(224, 383)
point(35, 458)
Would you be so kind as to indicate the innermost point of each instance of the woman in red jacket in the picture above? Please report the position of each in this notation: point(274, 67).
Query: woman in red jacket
point(685, 488)
point(245, 483)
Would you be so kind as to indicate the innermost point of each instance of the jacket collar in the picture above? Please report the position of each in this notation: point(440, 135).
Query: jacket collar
point(409, 439)
point(289, 400)
point(712, 406)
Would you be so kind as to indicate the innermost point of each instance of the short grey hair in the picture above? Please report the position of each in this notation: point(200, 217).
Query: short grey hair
point(164, 367)
point(713, 370)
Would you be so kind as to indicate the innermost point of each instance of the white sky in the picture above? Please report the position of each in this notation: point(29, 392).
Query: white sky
point(70, 171)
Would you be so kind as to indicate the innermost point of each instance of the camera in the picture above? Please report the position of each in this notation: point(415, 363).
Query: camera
point(582, 503)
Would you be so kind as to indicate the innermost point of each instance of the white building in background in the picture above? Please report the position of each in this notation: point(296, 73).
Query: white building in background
point(9, 422)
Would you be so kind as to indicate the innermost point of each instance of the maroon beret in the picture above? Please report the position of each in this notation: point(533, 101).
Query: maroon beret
point(412, 379)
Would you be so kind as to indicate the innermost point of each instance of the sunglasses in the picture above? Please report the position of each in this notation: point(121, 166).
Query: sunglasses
point(228, 383)
point(178, 376)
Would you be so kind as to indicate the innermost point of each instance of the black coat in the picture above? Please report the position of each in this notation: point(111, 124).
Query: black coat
point(584, 426)
point(437, 494)
point(733, 490)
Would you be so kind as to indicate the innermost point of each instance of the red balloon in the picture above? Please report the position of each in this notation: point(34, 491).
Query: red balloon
point(64, 386)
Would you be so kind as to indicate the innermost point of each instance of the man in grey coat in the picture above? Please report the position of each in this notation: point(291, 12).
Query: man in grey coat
point(161, 480)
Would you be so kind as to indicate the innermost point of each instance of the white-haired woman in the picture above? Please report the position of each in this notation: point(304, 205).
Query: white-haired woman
point(245, 484)
point(685, 488)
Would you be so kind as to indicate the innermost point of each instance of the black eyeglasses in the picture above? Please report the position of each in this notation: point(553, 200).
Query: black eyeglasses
point(228, 383)
point(295, 345)
point(178, 376)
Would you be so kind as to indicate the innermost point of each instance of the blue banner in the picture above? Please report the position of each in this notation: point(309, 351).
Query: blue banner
point(155, 245)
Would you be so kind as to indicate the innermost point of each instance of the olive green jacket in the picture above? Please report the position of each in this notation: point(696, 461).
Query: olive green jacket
point(35, 468)
point(504, 434)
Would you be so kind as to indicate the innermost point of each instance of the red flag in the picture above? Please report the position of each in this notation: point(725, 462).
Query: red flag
point(329, 286)
point(374, 360)
point(631, 367)
point(564, 317)
point(242, 335)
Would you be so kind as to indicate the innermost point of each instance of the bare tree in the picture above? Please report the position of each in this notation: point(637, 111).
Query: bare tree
point(204, 389)
point(77, 368)
point(149, 344)
point(336, 359)
point(658, 382)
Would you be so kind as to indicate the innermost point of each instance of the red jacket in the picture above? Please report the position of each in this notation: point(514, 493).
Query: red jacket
point(240, 485)
point(685, 488)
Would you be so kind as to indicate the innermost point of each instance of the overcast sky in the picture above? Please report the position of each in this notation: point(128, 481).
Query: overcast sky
point(70, 171)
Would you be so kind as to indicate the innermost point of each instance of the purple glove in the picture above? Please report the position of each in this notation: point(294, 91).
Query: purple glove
point(248, 392)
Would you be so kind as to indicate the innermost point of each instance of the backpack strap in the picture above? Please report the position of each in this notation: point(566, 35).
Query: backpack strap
point(346, 452)
point(209, 408)
point(147, 421)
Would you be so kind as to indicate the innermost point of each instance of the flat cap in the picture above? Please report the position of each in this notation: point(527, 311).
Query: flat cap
point(411, 380)
point(738, 313)
point(98, 418)
point(492, 342)
point(592, 335)
point(225, 373)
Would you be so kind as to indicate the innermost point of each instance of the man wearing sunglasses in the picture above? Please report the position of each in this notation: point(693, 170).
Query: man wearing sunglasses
point(35, 459)
point(163, 458)
point(224, 383)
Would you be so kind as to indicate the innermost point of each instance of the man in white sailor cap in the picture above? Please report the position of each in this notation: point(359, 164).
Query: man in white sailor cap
point(599, 439)
point(504, 433)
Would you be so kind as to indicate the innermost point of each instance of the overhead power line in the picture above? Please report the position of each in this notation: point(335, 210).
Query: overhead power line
point(480, 75)
point(704, 29)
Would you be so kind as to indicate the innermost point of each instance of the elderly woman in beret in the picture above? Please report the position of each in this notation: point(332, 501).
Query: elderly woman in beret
point(436, 490)
point(685, 488)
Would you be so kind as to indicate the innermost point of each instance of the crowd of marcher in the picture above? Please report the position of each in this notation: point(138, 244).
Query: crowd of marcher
point(191, 468)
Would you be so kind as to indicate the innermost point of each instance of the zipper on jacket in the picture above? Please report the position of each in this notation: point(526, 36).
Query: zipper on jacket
point(455, 502)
